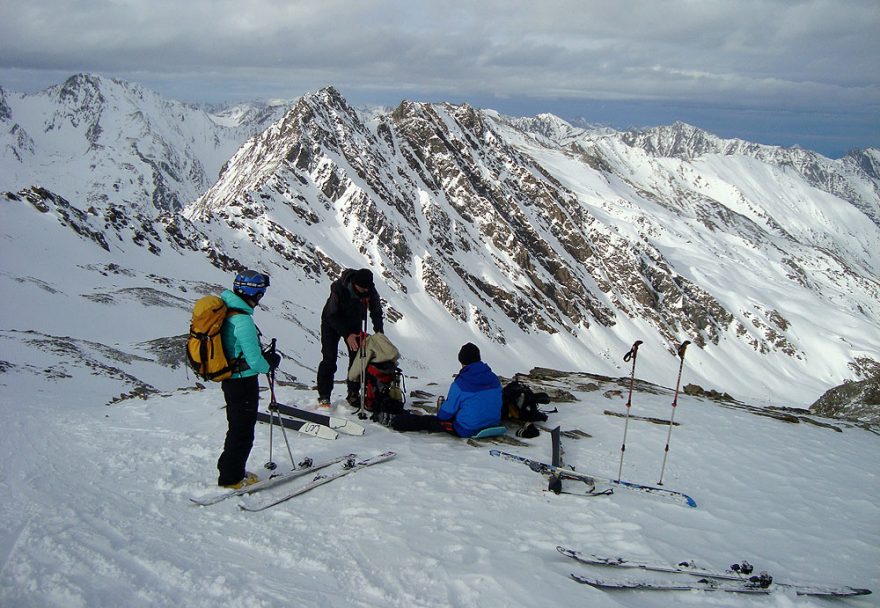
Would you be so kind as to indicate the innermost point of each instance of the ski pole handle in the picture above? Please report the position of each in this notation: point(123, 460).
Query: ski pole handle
point(682, 348)
point(270, 376)
point(633, 352)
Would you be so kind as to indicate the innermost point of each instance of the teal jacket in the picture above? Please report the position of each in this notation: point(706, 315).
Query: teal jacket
point(240, 338)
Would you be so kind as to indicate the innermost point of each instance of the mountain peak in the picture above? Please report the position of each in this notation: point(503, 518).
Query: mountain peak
point(867, 160)
point(82, 80)
point(81, 93)
point(547, 125)
point(5, 111)
point(678, 140)
point(328, 97)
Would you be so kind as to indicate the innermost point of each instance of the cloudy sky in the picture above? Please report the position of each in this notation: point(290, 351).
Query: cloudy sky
point(787, 72)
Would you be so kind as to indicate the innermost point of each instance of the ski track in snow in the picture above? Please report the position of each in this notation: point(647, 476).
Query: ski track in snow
point(97, 510)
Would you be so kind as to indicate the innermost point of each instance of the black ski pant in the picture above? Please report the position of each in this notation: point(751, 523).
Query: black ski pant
point(242, 399)
point(327, 367)
point(408, 421)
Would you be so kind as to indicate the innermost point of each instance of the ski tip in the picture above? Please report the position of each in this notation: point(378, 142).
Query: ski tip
point(833, 593)
point(690, 501)
point(387, 455)
point(566, 551)
point(598, 584)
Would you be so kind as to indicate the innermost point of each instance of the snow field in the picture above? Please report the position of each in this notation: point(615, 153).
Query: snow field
point(97, 509)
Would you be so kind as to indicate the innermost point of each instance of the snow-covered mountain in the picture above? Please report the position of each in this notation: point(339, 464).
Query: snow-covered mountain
point(545, 243)
point(109, 143)
point(854, 178)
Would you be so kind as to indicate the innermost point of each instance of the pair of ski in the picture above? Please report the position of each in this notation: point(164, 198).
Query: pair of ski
point(309, 423)
point(557, 473)
point(350, 464)
point(735, 580)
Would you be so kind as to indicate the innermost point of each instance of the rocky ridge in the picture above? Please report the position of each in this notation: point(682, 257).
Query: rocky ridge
point(517, 228)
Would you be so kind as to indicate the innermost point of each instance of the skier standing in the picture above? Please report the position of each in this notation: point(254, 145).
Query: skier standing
point(241, 345)
point(352, 296)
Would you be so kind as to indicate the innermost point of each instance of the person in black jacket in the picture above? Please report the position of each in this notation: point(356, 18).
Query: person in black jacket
point(352, 296)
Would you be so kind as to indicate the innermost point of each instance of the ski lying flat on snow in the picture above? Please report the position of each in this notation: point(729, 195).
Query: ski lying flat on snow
point(564, 473)
point(708, 584)
point(704, 584)
point(343, 425)
point(312, 429)
point(684, 567)
point(690, 568)
point(350, 467)
point(269, 482)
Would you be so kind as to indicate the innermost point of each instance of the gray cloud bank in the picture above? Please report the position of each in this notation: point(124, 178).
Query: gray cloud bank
point(816, 60)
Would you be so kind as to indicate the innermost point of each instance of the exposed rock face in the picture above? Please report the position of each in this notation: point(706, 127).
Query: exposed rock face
point(852, 400)
point(516, 228)
point(446, 176)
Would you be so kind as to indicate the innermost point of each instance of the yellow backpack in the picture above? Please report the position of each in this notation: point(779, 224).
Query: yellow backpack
point(204, 347)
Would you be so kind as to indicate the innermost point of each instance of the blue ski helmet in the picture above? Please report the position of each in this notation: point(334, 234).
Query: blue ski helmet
point(250, 284)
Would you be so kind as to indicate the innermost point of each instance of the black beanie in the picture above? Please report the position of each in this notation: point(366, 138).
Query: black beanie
point(468, 354)
point(363, 278)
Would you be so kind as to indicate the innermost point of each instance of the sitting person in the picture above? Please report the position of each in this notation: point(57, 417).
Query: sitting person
point(473, 402)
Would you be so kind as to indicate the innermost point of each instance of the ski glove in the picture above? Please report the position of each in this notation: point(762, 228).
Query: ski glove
point(273, 359)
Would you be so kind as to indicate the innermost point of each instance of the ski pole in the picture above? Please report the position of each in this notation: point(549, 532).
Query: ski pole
point(362, 358)
point(270, 376)
point(632, 354)
point(681, 350)
point(273, 412)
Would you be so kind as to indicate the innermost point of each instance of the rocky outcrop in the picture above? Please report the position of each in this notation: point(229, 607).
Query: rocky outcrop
point(857, 400)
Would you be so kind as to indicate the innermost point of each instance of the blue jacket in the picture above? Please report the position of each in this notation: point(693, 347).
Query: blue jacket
point(474, 400)
point(240, 337)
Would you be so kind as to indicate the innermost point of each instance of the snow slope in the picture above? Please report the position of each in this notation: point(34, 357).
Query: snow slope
point(97, 511)
point(96, 484)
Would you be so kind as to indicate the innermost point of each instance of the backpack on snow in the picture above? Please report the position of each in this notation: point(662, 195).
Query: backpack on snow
point(520, 402)
point(384, 391)
point(204, 347)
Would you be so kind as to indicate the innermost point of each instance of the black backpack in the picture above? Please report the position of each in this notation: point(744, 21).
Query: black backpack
point(519, 402)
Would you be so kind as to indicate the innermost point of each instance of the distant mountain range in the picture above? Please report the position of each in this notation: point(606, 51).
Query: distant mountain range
point(544, 242)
